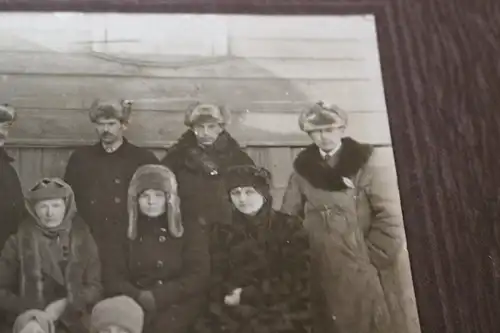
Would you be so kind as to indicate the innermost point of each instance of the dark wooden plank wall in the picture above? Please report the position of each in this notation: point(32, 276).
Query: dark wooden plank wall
point(33, 163)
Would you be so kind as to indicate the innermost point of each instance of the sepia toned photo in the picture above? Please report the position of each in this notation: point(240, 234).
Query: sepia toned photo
point(198, 174)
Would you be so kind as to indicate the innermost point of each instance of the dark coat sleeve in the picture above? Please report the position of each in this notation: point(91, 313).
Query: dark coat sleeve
point(116, 279)
point(92, 290)
point(14, 205)
point(196, 268)
point(9, 276)
point(74, 179)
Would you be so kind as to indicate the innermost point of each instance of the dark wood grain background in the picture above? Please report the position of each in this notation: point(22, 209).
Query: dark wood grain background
point(442, 80)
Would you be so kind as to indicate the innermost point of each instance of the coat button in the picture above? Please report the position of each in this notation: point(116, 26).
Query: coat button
point(163, 229)
point(117, 181)
point(117, 200)
point(159, 264)
point(160, 282)
point(162, 239)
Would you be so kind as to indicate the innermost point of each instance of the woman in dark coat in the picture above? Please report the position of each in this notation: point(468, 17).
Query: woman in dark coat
point(260, 268)
point(51, 263)
point(164, 264)
point(200, 158)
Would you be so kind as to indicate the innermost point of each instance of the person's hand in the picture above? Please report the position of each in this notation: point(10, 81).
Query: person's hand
point(55, 309)
point(233, 299)
point(147, 301)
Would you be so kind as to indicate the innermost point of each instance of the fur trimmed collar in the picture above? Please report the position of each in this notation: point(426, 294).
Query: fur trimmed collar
point(352, 156)
point(209, 160)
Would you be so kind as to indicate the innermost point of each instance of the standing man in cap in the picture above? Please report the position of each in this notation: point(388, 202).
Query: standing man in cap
point(200, 158)
point(100, 174)
point(11, 195)
point(353, 216)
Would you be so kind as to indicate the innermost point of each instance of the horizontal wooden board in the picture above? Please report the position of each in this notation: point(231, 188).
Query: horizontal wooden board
point(300, 48)
point(33, 164)
point(296, 27)
point(188, 67)
point(67, 92)
point(157, 129)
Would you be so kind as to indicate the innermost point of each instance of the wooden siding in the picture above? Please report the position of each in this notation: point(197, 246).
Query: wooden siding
point(37, 162)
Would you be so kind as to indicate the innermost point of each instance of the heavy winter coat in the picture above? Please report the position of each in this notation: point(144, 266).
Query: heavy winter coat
point(267, 256)
point(200, 174)
point(174, 269)
point(11, 198)
point(354, 219)
point(100, 181)
point(28, 281)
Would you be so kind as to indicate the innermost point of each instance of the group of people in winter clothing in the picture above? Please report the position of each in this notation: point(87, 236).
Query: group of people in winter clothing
point(126, 243)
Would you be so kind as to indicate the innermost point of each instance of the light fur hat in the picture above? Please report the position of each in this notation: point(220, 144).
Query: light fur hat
point(158, 177)
point(38, 316)
point(120, 110)
point(322, 116)
point(7, 113)
point(121, 311)
point(204, 113)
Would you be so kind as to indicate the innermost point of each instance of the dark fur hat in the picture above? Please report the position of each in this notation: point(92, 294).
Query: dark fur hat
point(158, 177)
point(322, 116)
point(248, 175)
point(120, 110)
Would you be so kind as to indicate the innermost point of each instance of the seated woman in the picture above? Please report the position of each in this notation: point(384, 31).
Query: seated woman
point(51, 263)
point(259, 280)
point(163, 264)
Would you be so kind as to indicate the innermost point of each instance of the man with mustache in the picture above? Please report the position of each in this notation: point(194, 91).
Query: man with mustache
point(11, 195)
point(100, 174)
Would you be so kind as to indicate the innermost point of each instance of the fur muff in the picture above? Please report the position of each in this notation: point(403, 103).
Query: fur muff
point(158, 177)
point(120, 110)
point(203, 113)
point(322, 116)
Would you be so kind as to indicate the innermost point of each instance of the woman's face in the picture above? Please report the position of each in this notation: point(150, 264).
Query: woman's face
point(247, 200)
point(50, 212)
point(152, 202)
point(113, 329)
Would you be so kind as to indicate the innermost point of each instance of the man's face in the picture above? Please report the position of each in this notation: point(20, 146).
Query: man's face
point(4, 132)
point(207, 133)
point(327, 139)
point(109, 130)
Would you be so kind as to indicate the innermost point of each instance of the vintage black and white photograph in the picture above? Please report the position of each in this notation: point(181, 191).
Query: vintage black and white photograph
point(175, 173)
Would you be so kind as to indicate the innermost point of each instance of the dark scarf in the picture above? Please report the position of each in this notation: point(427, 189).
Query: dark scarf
point(352, 157)
point(210, 159)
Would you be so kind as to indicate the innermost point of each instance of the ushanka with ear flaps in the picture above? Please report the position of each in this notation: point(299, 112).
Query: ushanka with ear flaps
point(7, 113)
point(157, 177)
point(205, 113)
point(120, 110)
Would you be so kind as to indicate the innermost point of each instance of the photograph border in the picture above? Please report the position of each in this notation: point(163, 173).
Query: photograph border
point(421, 237)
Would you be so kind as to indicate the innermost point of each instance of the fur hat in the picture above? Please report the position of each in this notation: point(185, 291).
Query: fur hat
point(120, 110)
point(248, 175)
point(121, 311)
point(322, 116)
point(7, 114)
point(158, 177)
point(34, 315)
point(204, 113)
point(48, 188)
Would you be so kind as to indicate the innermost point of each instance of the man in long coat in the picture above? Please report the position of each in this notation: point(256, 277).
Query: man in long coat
point(11, 196)
point(100, 174)
point(352, 213)
point(200, 159)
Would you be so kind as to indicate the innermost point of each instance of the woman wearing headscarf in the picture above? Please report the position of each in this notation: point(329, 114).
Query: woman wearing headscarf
point(164, 263)
point(51, 263)
point(260, 268)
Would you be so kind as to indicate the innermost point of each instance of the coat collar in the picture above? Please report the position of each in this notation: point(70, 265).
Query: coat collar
point(352, 156)
point(4, 156)
point(121, 150)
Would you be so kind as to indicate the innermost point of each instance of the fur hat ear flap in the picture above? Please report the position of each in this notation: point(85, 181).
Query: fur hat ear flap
point(161, 178)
